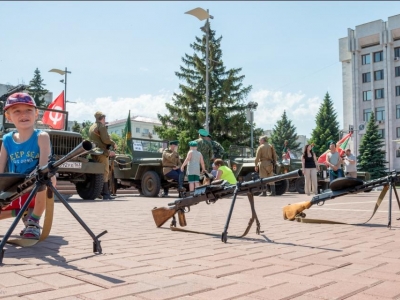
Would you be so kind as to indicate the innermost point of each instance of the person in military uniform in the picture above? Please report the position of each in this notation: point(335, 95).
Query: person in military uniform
point(265, 160)
point(172, 165)
point(218, 150)
point(98, 134)
point(204, 146)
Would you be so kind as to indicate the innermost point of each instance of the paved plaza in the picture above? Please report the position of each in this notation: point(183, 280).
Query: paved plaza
point(289, 260)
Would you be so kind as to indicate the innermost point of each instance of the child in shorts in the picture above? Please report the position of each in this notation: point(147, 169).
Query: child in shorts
point(21, 151)
point(193, 159)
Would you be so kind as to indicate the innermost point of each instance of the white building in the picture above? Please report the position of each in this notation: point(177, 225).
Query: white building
point(370, 56)
point(142, 127)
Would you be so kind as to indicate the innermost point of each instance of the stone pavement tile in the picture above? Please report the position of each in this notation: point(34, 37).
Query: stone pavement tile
point(380, 275)
point(316, 281)
point(103, 280)
point(363, 296)
point(254, 279)
point(166, 263)
point(393, 268)
point(180, 271)
point(338, 290)
point(283, 291)
point(59, 293)
point(311, 270)
point(40, 271)
point(25, 289)
point(9, 268)
point(206, 281)
point(230, 292)
point(127, 263)
point(225, 255)
point(12, 279)
point(118, 292)
point(156, 280)
point(325, 262)
point(109, 256)
point(282, 261)
point(385, 289)
point(86, 263)
point(190, 256)
point(174, 292)
point(269, 270)
point(58, 280)
point(223, 271)
point(204, 262)
point(136, 271)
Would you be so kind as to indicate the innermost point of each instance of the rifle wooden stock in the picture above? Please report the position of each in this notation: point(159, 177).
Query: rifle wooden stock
point(290, 211)
point(162, 215)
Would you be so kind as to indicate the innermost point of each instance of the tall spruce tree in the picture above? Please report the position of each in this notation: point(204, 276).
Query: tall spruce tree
point(187, 113)
point(327, 126)
point(372, 157)
point(284, 130)
point(36, 89)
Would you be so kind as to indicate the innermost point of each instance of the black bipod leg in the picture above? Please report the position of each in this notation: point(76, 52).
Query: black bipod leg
point(390, 205)
point(397, 197)
point(16, 220)
point(224, 236)
point(250, 196)
point(96, 241)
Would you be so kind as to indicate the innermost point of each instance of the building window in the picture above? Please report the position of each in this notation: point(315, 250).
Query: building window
point(378, 75)
point(381, 133)
point(367, 114)
point(397, 132)
point(146, 130)
point(380, 113)
point(367, 96)
point(397, 71)
point(378, 56)
point(366, 59)
point(397, 111)
point(379, 94)
point(366, 77)
point(153, 132)
point(397, 52)
point(137, 130)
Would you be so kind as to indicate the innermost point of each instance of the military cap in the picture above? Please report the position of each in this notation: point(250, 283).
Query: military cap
point(203, 132)
point(174, 142)
point(264, 137)
point(193, 144)
point(99, 114)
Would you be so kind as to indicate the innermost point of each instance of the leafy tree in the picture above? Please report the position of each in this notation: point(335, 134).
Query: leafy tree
point(327, 126)
point(284, 130)
point(76, 127)
point(118, 140)
point(36, 89)
point(85, 129)
point(187, 113)
point(372, 157)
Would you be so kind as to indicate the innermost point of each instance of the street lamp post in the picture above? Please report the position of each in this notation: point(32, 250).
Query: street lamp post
point(65, 72)
point(202, 14)
point(252, 106)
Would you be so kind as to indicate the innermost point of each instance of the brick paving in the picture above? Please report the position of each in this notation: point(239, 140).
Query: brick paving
point(289, 260)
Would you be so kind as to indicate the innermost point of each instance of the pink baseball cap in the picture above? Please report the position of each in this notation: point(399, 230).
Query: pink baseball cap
point(19, 98)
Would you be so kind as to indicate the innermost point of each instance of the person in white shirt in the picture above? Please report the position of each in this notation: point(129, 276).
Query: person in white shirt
point(350, 164)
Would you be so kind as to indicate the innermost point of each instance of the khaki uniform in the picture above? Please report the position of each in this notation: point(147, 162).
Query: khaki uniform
point(206, 149)
point(98, 134)
point(265, 158)
point(170, 159)
point(218, 150)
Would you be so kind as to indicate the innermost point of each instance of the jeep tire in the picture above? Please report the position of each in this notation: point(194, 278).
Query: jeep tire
point(91, 188)
point(151, 184)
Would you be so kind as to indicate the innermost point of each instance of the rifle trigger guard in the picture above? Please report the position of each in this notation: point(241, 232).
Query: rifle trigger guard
point(320, 203)
point(186, 209)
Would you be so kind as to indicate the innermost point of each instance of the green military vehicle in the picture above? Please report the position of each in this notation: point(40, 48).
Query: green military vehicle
point(144, 170)
point(82, 171)
point(241, 161)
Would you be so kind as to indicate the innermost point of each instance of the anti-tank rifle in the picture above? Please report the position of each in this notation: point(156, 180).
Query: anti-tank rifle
point(15, 185)
point(344, 186)
point(213, 192)
point(16, 89)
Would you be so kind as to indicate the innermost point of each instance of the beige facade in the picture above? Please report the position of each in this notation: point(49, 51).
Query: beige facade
point(142, 127)
point(370, 56)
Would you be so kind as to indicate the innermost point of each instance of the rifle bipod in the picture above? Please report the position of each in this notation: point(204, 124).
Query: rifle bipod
point(40, 181)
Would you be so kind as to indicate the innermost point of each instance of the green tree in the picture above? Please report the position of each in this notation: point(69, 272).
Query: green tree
point(371, 156)
point(36, 89)
point(118, 140)
point(284, 130)
point(76, 127)
point(85, 129)
point(327, 126)
point(187, 112)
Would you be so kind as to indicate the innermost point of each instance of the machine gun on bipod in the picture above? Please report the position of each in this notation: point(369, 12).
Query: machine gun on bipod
point(213, 192)
point(15, 185)
point(16, 89)
point(341, 187)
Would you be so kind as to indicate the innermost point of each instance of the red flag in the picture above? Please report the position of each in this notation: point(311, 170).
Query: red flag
point(55, 119)
point(343, 142)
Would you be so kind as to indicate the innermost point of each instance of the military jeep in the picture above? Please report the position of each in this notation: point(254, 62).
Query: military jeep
point(83, 172)
point(241, 161)
point(144, 170)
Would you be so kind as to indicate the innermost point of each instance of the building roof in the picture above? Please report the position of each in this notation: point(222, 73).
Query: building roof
point(136, 119)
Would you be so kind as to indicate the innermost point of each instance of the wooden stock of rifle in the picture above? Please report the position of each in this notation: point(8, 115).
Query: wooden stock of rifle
point(339, 187)
point(211, 193)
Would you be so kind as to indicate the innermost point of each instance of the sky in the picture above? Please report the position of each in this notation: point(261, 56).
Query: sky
point(123, 55)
